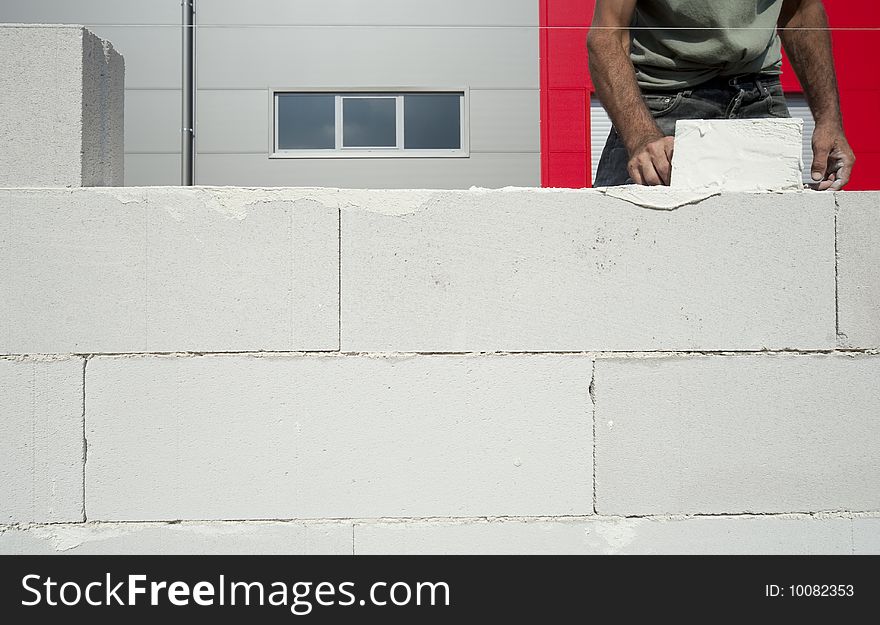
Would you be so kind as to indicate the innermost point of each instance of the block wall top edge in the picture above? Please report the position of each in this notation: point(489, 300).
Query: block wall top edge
point(18, 25)
point(610, 192)
point(400, 201)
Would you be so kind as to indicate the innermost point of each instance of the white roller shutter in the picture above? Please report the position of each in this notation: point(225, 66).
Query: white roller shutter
point(797, 106)
point(600, 126)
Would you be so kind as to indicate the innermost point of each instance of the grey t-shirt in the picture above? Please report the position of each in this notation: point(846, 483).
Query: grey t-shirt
point(678, 44)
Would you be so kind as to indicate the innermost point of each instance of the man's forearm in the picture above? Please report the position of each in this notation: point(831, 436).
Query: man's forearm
point(615, 82)
point(808, 44)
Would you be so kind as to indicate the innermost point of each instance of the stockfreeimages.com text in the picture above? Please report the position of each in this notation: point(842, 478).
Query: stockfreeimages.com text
point(300, 597)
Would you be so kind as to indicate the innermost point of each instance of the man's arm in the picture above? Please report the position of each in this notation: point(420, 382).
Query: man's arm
point(615, 81)
point(807, 41)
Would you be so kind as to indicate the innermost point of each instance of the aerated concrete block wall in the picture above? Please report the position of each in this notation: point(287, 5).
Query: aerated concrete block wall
point(61, 108)
point(519, 370)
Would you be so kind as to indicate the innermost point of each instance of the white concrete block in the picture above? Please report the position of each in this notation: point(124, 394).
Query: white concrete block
point(114, 117)
point(323, 436)
point(315, 275)
point(61, 108)
point(103, 96)
point(103, 113)
point(553, 270)
point(41, 134)
point(858, 248)
point(132, 270)
point(231, 270)
point(80, 267)
point(219, 273)
point(737, 434)
point(738, 154)
point(41, 440)
point(252, 538)
point(866, 536)
point(703, 535)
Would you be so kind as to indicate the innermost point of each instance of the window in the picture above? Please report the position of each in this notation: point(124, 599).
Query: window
point(432, 121)
point(369, 122)
point(308, 122)
point(315, 124)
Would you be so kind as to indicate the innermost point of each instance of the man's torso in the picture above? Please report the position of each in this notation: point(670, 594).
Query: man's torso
point(677, 44)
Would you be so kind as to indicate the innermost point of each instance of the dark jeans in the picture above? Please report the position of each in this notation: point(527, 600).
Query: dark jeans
point(741, 97)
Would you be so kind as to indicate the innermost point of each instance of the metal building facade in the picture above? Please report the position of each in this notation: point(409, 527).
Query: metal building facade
point(488, 47)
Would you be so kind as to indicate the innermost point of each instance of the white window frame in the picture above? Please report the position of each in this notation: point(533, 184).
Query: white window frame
point(375, 152)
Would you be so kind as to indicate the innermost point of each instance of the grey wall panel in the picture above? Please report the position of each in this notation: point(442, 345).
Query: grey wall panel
point(258, 58)
point(505, 120)
point(142, 170)
point(91, 12)
point(152, 54)
point(433, 12)
point(485, 170)
point(232, 121)
point(238, 121)
point(152, 121)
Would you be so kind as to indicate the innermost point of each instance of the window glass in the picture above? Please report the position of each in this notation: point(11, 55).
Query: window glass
point(306, 121)
point(369, 122)
point(432, 121)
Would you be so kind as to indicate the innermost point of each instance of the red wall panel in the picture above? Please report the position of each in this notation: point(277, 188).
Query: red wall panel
point(571, 124)
point(566, 88)
point(565, 93)
point(859, 82)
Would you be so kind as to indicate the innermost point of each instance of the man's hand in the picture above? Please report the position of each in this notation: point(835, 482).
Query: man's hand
point(651, 161)
point(833, 159)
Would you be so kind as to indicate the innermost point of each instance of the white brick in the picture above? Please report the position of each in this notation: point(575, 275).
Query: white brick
point(61, 108)
point(866, 536)
point(42, 136)
point(235, 437)
point(539, 270)
point(315, 283)
point(103, 104)
point(737, 434)
point(253, 538)
point(41, 441)
point(858, 246)
point(79, 280)
point(738, 154)
point(132, 270)
point(217, 280)
point(707, 535)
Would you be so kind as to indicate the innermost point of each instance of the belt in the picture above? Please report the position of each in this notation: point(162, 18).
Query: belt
point(740, 81)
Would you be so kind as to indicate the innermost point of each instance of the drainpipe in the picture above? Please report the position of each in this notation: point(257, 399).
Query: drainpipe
point(187, 133)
